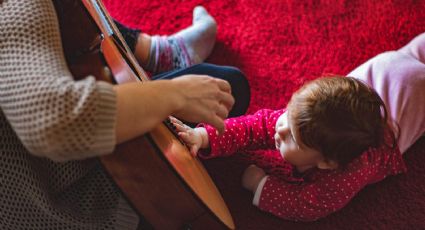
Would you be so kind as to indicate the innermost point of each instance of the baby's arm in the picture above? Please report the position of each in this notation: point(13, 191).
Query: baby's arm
point(306, 201)
point(322, 192)
point(248, 132)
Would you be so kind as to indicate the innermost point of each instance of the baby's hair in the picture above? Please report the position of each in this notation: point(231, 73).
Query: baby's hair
point(341, 117)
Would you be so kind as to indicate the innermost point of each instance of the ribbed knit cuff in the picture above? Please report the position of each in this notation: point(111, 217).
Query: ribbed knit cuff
point(105, 140)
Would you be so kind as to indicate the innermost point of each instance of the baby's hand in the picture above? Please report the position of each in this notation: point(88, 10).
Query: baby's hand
point(192, 137)
point(251, 177)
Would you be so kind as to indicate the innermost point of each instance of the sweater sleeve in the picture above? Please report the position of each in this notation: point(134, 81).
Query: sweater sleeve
point(249, 132)
point(53, 115)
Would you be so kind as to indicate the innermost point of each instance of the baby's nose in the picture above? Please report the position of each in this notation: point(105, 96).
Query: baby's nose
point(282, 131)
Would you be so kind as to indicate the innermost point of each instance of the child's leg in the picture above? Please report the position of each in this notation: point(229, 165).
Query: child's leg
point(416, 48)
point(185, 48)
point(399, 78)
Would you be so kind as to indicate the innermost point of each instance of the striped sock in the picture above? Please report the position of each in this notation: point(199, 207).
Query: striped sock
point(185, 48)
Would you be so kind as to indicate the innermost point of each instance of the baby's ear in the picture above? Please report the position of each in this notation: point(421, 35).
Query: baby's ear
point(327, 164)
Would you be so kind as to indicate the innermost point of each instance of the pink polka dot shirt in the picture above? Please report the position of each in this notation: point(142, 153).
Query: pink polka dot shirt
point(313, 194)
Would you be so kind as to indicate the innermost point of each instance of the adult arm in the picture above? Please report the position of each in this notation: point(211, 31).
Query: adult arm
point(193, 98)
point(53, 115)
point(56, 117)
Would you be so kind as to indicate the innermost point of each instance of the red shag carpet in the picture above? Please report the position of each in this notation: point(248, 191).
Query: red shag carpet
point(280, 44)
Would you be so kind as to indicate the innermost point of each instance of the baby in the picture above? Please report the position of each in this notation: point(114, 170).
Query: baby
point(337, 135)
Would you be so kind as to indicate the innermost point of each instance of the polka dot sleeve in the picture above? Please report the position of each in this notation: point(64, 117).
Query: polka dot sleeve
point(327, 191)
point(242, 133)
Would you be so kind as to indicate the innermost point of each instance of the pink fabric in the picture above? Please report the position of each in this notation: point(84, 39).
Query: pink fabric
point(318, 192)
point(399, 78)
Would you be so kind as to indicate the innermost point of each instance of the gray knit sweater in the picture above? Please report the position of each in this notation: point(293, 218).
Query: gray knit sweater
point(51, 130)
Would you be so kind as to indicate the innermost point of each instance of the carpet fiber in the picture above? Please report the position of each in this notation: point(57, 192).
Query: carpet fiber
point(280, 44)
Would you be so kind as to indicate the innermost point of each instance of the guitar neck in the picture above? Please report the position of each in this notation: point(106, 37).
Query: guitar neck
point(108, 28)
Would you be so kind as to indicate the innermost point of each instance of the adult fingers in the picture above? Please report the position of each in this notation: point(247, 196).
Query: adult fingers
point(223, 85)
point(226, 99)
point(217, 123)
point(222, 111)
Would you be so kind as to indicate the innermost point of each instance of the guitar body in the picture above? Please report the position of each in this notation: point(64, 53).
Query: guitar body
point(156, 173)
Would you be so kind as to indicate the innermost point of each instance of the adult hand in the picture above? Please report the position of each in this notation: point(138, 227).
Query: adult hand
point(203, 99)
point(193, 98)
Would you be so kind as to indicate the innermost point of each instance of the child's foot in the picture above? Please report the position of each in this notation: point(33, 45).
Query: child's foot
point(185, 48)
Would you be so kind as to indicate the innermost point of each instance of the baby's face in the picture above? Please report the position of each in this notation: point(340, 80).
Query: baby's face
point(290, 146)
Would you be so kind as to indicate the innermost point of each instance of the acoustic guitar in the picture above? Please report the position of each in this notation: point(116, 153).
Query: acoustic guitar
point(155, 172)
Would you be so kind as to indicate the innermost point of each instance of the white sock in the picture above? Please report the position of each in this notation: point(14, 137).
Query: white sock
point(185, 48)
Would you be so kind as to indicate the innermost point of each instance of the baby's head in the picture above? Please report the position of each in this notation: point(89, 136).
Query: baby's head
point(338, 117)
